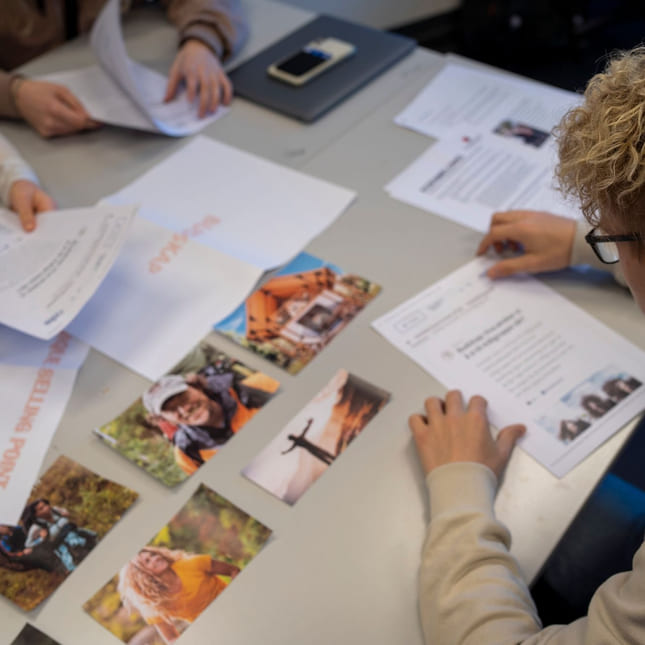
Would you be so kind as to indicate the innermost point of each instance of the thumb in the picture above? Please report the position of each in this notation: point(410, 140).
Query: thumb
point(511, 266)
point(506, 440)
point(22, 204)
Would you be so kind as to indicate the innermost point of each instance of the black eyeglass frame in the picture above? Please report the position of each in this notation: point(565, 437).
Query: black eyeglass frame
point(592, 239)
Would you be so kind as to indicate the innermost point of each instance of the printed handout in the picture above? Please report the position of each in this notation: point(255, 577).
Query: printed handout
point(161, 296)
point(463, 101)
point(296, 313)
point(69, 510)
point(495, 148)
point(125, 93)
point(169, 582)
point(536, 358)
point(46, 277)
point(261, 212)
point(468, 180)
point(316, 436)
point(37, 380)
point(30, 635)
point(183, 419)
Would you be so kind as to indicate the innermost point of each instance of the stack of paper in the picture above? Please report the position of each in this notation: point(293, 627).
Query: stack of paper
point(495, 148)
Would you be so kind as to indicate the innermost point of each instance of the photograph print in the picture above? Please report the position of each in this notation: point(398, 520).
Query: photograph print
point(69, 510)
point(169, 582)
point(316, 436)
point(298, 312)
point(183, 419)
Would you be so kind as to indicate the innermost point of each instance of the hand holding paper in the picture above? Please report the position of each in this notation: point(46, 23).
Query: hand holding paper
point(545, 242)
point(51, 109)
point(201, 70)
point(27, 199)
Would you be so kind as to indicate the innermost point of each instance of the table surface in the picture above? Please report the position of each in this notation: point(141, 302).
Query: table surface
point(342, 564)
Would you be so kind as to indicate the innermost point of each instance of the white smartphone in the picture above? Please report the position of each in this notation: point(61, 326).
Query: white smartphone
point(313, 59)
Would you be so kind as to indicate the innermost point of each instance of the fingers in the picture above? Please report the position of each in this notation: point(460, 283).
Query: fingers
point(506, 440)
point(43, 202)
point(511, 266)
point(454, 402)
point(226, 89)
point(207, 93)
point(22, 204)
point(497, 236)
point(173, 82)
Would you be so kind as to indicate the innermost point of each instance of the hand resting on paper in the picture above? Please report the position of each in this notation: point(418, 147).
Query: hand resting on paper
point(27, 200)
point(203, 74)
point(543, 241)
point(51, 109)
point(451, 432)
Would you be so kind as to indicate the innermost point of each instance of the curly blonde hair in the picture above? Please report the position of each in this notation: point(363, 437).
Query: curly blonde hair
point(602, 146)
point(141, 590)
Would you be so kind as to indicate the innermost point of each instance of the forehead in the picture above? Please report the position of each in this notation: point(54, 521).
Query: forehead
point(176, 399)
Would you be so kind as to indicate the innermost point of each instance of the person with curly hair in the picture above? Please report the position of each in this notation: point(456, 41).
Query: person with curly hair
point(471, 589)
point(171, 588)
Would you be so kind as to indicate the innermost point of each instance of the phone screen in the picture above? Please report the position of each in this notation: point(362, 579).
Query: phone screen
point(303, 62)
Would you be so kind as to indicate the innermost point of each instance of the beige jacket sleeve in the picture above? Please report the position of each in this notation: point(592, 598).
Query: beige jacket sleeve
point(12, 168)
point(471, 591)
point(220, 24)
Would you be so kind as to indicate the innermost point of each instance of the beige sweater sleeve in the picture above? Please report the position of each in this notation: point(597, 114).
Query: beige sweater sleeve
point(12, 168)
point(471, 591)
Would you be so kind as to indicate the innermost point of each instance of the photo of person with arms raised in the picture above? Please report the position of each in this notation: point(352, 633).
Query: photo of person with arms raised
point(471, 589)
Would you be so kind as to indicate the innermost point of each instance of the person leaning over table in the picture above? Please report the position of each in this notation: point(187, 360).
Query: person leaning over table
point(19, 188)
point(209, 32)
point(471, 590)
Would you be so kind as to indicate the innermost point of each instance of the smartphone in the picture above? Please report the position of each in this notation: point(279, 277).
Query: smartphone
point(313, 59)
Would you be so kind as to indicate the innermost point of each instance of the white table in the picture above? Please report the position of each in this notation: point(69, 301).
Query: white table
point(342, 567)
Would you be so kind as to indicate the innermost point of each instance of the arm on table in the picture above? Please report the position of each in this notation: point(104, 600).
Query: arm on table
point(471, 590)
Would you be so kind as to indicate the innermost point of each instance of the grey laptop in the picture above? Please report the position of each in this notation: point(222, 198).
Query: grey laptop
point(375, 51)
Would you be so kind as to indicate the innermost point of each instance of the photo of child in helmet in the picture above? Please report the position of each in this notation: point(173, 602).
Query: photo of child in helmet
point(185, 417)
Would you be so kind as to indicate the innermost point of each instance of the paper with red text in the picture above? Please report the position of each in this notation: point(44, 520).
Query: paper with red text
point(162, 296)
point(47, 276)
point(266, 213)
point(537, 358)
point(37, 378)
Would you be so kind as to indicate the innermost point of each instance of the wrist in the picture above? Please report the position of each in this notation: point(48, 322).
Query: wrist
point(206, 35)
point(15, 83)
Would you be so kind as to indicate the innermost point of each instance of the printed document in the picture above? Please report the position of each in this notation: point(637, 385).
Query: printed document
point(47, 276)
point(161, 296)
point(37, 379)
point(125, 93)
point(495, 149)
point(258, 211)
point(536, 358)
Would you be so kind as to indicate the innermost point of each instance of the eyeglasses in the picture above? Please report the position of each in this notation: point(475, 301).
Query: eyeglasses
point(604, 246)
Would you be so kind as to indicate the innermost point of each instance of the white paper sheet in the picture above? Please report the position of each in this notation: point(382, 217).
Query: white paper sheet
point(237, 203)
point(160, 298)
point(125, 93)
point(495, 148)
point(37, 379)
point(46, 277)
point(461, 101)
point(537, 358)
point(467, 181)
